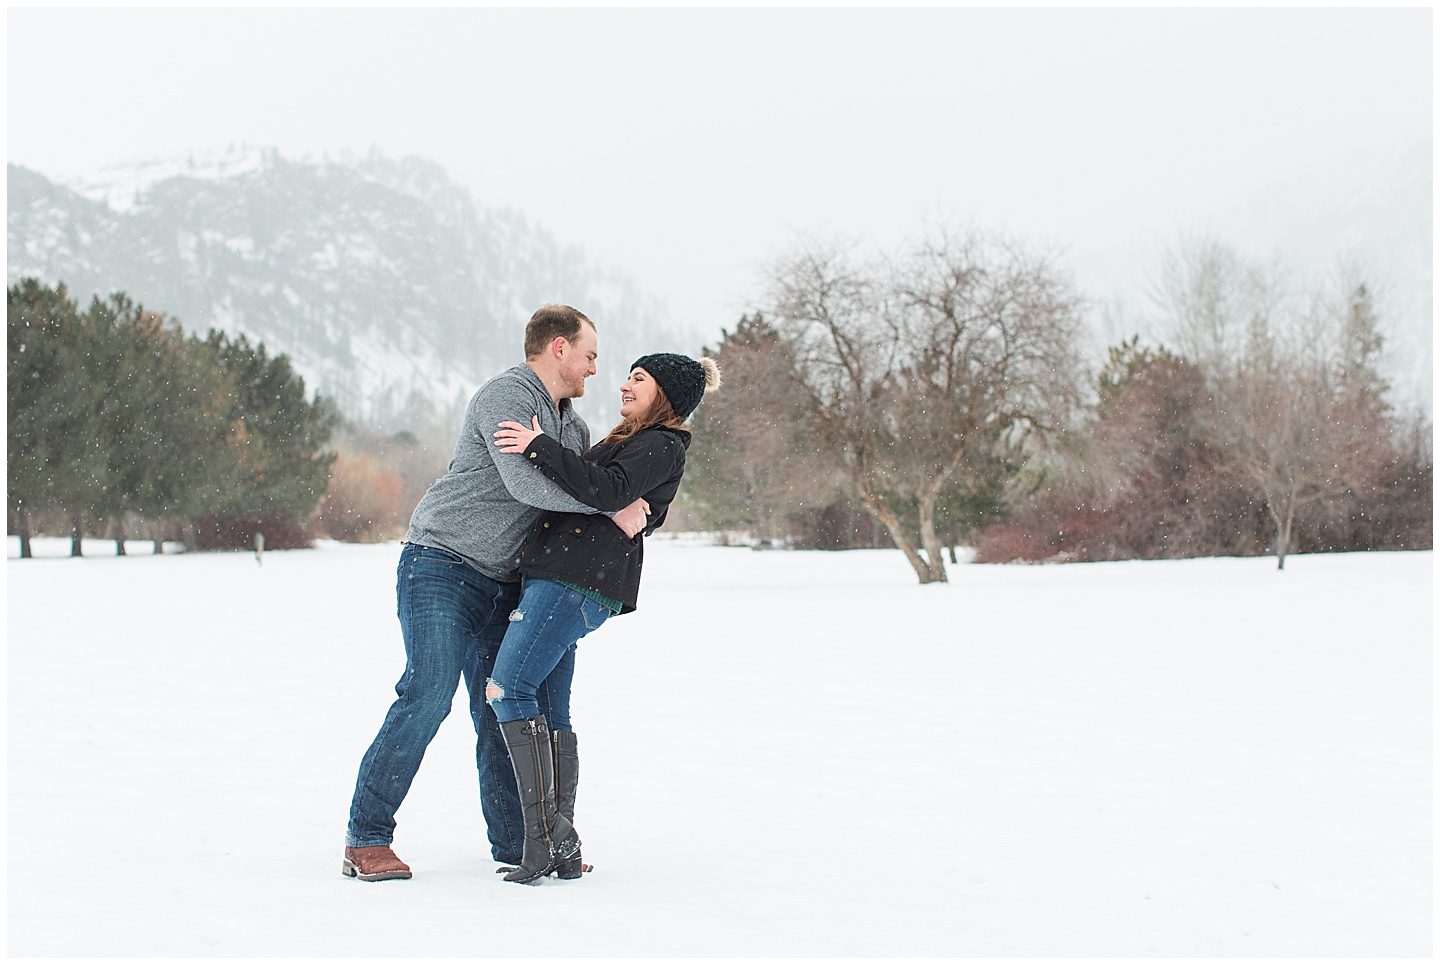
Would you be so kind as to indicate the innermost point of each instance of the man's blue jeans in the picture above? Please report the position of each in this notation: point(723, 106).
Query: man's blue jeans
point(536, 662)
point(453, 618)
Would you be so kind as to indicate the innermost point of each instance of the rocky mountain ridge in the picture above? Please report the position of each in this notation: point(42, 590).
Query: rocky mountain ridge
point(385, 282)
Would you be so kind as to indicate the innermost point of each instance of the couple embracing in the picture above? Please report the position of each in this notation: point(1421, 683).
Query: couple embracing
point(531, 539)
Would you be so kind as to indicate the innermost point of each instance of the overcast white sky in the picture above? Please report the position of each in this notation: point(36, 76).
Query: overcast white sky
point(686, 146)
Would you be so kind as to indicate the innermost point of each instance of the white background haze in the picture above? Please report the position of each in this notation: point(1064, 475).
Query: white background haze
point(687, 147)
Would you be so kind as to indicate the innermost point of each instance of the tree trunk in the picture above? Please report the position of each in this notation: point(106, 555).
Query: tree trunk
point(929, 493)
point(119, 537)
point(1282, 539)
point(928, 539)
point(881, 513)
point(24, 534)
point(1282, 530)
point(77, 533)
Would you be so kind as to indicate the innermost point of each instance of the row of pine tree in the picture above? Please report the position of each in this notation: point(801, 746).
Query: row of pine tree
point(121, 424)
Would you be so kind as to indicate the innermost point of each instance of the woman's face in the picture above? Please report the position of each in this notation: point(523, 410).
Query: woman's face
point(637, 394)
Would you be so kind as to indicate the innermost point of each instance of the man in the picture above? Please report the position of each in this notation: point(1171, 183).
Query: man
point(458, 582)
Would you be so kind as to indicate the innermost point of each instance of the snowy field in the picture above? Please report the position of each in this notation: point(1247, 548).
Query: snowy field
point(783, 754)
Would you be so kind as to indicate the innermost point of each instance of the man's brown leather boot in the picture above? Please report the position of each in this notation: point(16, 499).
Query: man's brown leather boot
point(374, 864)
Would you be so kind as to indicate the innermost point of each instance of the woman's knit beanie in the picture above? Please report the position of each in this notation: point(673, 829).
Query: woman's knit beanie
point(683, 380)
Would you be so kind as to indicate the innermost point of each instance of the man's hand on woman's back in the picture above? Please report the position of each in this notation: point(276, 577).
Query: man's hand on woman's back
point(633, 518)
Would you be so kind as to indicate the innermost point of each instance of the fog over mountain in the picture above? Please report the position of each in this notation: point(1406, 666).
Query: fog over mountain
point(382, 279)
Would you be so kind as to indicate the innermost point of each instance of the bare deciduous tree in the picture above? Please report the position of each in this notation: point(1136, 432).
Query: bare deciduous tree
point(1297, 408)
point(1283, 431)
point(907, 363)
point(1216, 303)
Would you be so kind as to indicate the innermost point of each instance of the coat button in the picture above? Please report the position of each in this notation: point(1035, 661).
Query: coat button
point(577, 530)
point(547, 525)
point(532, 455)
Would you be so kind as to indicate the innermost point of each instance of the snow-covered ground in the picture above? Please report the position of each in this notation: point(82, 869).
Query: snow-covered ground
point(783, 753)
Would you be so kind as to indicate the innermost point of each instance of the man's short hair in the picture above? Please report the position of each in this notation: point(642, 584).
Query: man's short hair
point(549, 323)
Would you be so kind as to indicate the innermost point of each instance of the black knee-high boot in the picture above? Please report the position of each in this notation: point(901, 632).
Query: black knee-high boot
point(567, 780)
point(549, 836)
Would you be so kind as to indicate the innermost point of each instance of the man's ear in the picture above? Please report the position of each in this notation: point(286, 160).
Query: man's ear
point(557, 344)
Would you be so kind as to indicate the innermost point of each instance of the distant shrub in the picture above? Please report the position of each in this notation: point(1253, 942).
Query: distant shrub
point(238, 533)
point(837, 526)
point(1012, 543)
point(365, 502)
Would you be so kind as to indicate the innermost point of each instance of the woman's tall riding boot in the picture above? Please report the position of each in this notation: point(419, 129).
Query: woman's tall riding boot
point(549, 837)
point(567, 779)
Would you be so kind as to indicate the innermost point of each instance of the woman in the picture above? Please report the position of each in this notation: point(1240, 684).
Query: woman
point(578, 570)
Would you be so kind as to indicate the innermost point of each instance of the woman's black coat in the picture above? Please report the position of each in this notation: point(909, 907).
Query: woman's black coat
point(590, 550)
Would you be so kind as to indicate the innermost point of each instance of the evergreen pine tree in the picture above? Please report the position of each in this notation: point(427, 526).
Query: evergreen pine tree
point(57, 460)
point(1360, 347)
point(276, 439)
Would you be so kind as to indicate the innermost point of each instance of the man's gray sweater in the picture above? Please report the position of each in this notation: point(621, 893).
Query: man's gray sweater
point(484, 505)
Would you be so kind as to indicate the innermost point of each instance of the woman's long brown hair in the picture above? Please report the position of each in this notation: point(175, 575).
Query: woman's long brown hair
point(661, 413)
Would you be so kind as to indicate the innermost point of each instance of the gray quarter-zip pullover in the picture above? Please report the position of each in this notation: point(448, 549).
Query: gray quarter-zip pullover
point(483, 507)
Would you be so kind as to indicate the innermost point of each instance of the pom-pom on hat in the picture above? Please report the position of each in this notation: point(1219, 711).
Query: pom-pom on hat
point(683, 380)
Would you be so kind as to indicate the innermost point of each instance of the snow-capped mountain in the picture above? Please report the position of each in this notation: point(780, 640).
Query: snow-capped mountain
point(379, 278)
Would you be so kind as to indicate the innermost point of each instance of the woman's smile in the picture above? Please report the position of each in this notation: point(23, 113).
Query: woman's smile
point(637, 394)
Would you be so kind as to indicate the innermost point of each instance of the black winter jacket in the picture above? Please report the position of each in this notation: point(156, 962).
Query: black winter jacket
point(590, 550)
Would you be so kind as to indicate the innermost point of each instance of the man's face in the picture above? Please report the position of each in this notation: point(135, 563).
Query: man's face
point(577, 361)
